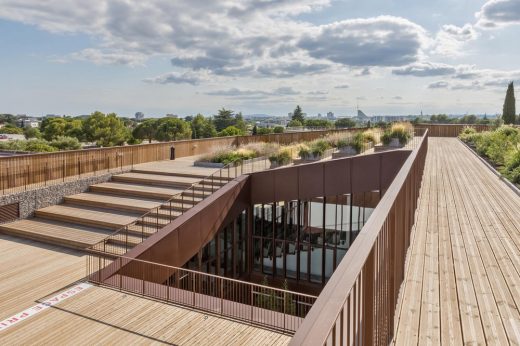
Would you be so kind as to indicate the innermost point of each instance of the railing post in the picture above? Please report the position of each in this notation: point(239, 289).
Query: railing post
point(368, 300)
point(120, 273)
point(193, 287)
point(221, 296)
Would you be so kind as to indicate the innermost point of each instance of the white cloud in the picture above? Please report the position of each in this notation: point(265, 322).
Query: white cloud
point(451, 39)
point(189, 77)
point(438, 85)
point(378, 41)
point(496, 13)
point(425, 69)
point(244, 93)
point(99, 57)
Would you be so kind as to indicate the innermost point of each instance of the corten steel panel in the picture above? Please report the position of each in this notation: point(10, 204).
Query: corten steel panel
point(310, 180)
point(262, 187)
point(285, 184)
point(391, 164)
point(337, 177)
point(366, 172)
point(178, 241)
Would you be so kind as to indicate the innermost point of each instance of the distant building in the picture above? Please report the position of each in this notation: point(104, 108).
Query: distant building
point(330, 116)
point(28, 122)
point(139, 116)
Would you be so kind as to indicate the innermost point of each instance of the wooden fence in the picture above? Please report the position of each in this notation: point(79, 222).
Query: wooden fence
point(36, 170)
point(450, 130)
point(357, 305)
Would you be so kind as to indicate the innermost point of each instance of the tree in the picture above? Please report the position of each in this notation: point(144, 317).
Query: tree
point(106, 130)
point(172, 129)
point(255, 130)
point(74, 128)
point(32, 132)
point(223, 119)
point(202, 127)
point(146, 130)
point(38, 145)
point(295, 123)
point(66, 143)
point(440, 119)
point(468, 119)
point(509, 111)
point(264, 131)
point(318, 123)
point(53, 127)
point(298, 115)
point(230, 131)
point(345, 123)
point(278, 129)
point(10, 129)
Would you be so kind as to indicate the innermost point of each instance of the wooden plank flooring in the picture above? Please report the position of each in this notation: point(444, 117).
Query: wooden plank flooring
point(462, 281)
point(30, 270)
point(103, 316)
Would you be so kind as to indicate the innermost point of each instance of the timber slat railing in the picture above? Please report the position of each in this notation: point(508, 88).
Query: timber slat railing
point(265, 306)
point(357, 305)
point(22, 172)
point(451, 130)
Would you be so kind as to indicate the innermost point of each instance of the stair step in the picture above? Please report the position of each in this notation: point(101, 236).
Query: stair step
point(87, 216)
point(56, 233)
point(156, 180)
point(136, 190)
point(180, 174)
point(98, 200)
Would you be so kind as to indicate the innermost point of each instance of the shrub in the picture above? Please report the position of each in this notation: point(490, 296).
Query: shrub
point(304, 151)
point(283, 157)
point(512, 167)
point(319, 146)
point(278, 129)
point(371, 136)
point(400, 131)
point(468, 135)
point(264, 131)
point(38, 145)
point(66, 143)
point(356, 142)
point(230, 131)
point(497, 145)
point(294, 123)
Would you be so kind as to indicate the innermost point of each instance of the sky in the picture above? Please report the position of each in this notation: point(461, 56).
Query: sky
point(259, 57)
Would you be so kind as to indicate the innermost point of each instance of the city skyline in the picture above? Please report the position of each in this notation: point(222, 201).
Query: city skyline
point(164, 57)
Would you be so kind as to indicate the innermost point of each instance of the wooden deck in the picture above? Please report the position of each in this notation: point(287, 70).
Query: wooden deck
point(100, 316)
point(462, 279)
point(31, 271)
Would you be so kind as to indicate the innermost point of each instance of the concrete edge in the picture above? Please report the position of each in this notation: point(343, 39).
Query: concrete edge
point(492, 169)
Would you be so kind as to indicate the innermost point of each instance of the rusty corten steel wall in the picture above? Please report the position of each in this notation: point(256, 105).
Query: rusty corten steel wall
point(328, 178)
point(177, 242)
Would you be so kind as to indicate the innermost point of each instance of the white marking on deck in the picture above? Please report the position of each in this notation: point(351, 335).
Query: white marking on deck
point(22, 316)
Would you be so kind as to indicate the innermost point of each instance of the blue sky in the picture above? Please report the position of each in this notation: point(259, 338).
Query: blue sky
point(186, 57)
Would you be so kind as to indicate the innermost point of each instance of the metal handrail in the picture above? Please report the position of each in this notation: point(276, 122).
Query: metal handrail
point(274, 308)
